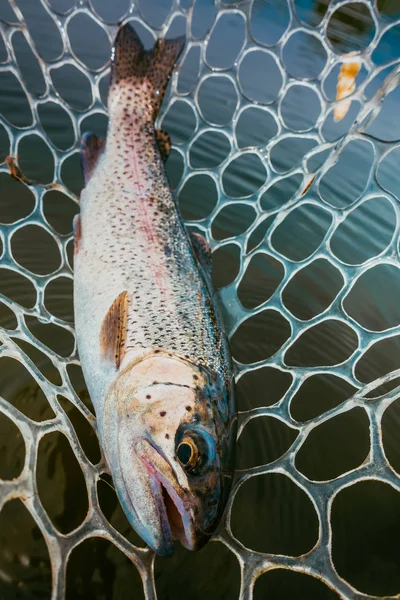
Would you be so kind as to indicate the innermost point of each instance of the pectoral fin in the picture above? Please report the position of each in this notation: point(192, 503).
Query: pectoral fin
point(91, 148)
point(113, 330)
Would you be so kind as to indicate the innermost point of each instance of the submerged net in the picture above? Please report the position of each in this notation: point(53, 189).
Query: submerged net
point(261, 166)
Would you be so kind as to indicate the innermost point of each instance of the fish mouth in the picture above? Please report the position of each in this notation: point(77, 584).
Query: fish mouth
point(175, 518)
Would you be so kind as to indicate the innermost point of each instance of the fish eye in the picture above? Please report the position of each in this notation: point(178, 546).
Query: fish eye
point(188, 453)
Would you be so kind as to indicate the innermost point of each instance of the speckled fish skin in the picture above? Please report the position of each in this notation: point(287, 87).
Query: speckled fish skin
point(155, 360)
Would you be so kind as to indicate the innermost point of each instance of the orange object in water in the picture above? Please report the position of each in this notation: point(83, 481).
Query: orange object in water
point(345, 86)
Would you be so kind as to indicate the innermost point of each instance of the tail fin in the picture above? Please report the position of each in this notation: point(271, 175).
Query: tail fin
point(130, 61)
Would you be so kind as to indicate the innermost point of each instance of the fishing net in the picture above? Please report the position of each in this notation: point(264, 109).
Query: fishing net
point(286, 195)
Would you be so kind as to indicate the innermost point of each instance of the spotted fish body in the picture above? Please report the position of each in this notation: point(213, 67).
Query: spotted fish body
point(154, 357)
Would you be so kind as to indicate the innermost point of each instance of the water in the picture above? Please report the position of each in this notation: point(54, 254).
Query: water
point(270, 513)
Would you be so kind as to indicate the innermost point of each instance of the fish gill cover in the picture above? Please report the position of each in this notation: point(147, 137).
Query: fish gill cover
point(301, 207)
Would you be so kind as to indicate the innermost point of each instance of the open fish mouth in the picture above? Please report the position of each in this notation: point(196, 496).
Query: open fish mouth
point(176, 520)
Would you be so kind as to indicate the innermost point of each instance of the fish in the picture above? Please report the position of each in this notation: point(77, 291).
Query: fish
point(149, 332)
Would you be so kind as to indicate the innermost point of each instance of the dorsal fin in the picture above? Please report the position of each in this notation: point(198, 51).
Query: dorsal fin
point(164, 143)
point(113, 330)
point(91, 148)
point(202, 252)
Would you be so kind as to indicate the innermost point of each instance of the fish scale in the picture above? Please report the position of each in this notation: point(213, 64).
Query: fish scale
point(125, 231)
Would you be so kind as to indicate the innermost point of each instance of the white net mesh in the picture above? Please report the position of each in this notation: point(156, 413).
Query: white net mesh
point(304, 275)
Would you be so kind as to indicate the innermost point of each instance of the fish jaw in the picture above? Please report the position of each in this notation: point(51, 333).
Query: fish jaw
point(173, 498)
point(155, 502)
point(140, 495)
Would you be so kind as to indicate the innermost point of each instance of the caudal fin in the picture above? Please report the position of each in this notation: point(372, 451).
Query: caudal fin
point(130, 61)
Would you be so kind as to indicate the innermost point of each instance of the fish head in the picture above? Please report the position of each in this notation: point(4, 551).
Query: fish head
point(173, 461)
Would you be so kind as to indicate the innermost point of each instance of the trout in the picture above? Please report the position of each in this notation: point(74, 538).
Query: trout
point(153, 354)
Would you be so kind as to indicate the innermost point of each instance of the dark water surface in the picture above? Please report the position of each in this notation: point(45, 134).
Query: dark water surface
point(365, 517)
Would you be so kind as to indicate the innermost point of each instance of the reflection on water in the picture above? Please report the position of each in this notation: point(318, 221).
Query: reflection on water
point(96, 568)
